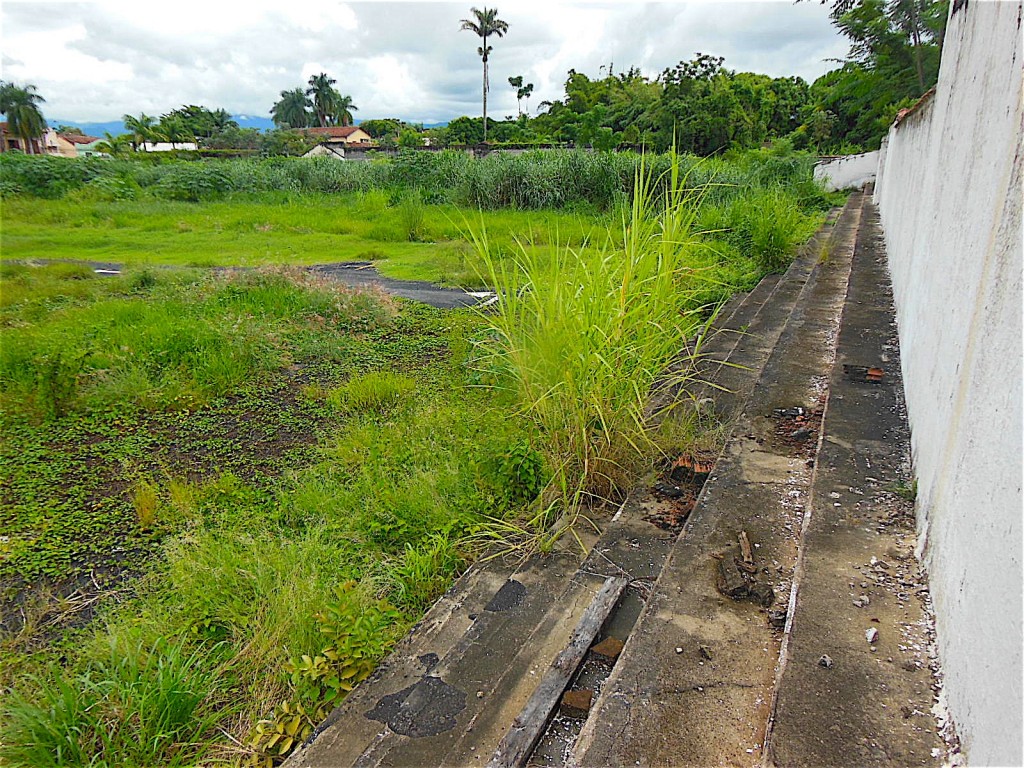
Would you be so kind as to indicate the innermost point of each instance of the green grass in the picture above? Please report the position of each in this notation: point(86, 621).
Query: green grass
point(583, 338)
point(314, 229)
point(219, 529)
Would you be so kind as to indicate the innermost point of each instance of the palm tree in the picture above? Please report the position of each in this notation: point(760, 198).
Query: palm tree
point(222, 120)
point(522, 91)
point(142, 129)
point(325, 98)
point(24, 118)
point(485, 23)
point(176, 130)
point(292, 110)
point(114, 145)
point(344, 109)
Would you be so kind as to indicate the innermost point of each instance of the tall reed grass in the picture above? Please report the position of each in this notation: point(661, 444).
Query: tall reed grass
point(590, 331)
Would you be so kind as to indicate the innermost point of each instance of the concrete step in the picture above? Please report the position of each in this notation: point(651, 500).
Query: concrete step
point(740, 338)
point(843, 699)
point(463, 671)
point(695, 680)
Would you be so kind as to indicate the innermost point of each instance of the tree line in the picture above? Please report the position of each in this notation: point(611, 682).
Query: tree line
point(698, 105)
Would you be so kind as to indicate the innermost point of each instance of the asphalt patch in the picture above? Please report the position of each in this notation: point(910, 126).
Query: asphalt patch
point(426, 708)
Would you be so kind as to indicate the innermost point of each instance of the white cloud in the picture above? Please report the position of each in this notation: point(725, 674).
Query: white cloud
point(96, 61)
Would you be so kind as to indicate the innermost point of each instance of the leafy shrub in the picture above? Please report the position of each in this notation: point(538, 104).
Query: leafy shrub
point(360, 631)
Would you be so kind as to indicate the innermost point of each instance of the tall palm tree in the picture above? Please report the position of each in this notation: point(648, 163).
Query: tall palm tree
point(484, 24)
point(292, 110)
point(344, 109)
point(142, 129)
point(24, 118)
point(324, 97)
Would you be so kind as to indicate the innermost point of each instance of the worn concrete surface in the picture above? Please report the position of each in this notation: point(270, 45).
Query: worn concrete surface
point(870, 702)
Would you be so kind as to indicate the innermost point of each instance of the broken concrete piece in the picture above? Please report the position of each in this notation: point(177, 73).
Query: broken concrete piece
point(871, 635)
point(609, 648)
point(576, 704)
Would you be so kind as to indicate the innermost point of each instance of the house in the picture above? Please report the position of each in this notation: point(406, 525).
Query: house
point(82, 146)
point(337, 151)
point(9, 141)
point(339, 134)
point(335, 138)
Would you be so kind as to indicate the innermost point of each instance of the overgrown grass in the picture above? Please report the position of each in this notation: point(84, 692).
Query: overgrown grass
point(290, 472)
point(584, 337)
point(243, 566)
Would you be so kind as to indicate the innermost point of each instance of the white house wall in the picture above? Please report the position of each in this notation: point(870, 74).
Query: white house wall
point(949, 193)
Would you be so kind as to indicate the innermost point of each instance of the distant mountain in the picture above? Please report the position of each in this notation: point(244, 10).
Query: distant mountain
point(114, 127)
point(249, 121)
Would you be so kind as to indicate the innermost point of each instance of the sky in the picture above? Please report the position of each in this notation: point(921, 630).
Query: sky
point(96, 61)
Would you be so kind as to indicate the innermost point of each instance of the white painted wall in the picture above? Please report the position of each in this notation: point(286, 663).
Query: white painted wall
point(848, 172)
point(949, 193)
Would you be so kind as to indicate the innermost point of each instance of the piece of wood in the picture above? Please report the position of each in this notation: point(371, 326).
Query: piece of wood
point(748, 552)
point(517, 745)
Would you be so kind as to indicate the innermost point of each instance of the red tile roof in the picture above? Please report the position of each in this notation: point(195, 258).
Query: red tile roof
point(76, 138)
point(333, 131)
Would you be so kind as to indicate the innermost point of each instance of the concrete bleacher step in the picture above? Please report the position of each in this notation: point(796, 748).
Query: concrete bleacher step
point(854, 684)
point(451, 689)
point(744, 331)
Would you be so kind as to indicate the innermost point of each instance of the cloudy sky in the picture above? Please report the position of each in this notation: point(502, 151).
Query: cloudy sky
point(97, 61)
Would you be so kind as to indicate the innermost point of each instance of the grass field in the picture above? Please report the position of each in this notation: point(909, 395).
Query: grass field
point(409, 240)
point(225, 495)
point(197, 464)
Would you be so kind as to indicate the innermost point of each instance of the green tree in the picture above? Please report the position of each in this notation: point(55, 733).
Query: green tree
point(142, 129)
point(115, 145)
point(410, 138)
point(344, 109)
point(895, 46)
point(292, 110)
point(379, 128)
point(323, 97)
point(20, 104)
point(176, 130)
point(522, 91)
point(285, 142)
point(484, 24)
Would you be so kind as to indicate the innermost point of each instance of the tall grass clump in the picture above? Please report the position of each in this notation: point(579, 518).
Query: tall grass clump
point(589, 333)
point(138, 706)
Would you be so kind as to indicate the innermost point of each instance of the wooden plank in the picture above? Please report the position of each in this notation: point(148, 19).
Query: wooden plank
point(745, 548)
point(518, 744)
